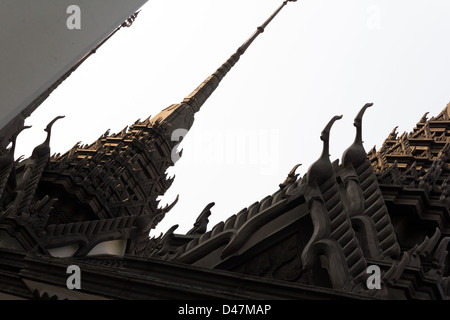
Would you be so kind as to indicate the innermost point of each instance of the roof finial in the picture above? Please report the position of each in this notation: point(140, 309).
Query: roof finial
point(181, 116)
point(260, 29)
point(358, 123)
point(321, 170)
point(198, 97)
point(356, 154)
point(325, 136)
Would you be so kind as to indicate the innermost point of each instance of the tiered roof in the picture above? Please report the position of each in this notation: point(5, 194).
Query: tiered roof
point(102, 192)
point(317, 235)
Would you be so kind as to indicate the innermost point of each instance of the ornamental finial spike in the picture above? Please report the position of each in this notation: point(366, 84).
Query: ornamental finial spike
point(199, 96)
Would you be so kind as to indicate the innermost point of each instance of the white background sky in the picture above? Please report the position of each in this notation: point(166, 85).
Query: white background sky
point(316, 59)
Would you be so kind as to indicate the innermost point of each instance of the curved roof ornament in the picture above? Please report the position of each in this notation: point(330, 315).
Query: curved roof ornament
point(322, 170)
point(291, 178)
point(50, 125)
point(325, 136)
point(201, 224)
point(393, 134)
point(14, 138)
point(7, 173)
point(358, 123)
point(424, 118)
point(44, 148)
point(356, 154)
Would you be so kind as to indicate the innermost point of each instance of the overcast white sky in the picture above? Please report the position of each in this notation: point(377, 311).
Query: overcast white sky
point(316, 59)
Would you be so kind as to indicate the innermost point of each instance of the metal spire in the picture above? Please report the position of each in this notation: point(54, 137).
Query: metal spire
point(198, 97)
point(182, 115)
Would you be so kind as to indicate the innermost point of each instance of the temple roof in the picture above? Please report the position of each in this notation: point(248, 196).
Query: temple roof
point(338, 211)
point(418, 158)
point(107, 190)
point(316, 235)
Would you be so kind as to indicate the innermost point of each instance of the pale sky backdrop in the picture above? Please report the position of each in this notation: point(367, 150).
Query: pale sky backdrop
point(318, 58)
